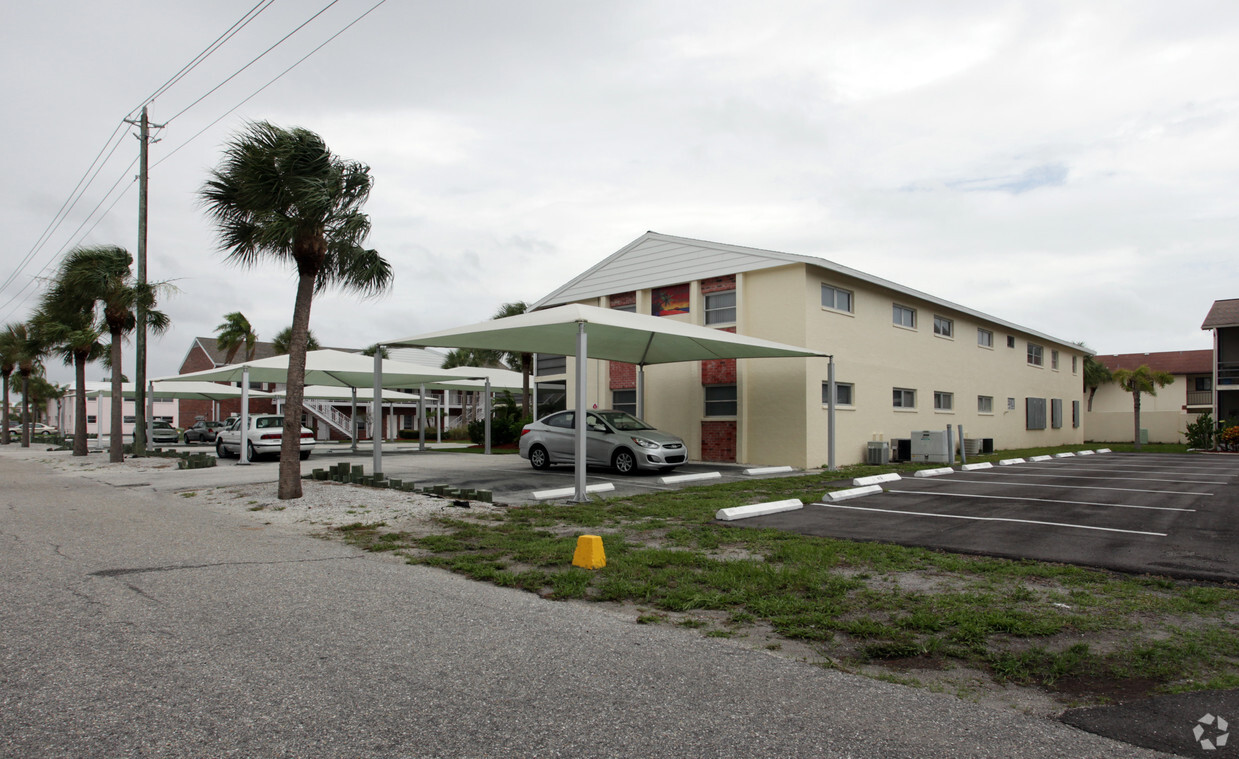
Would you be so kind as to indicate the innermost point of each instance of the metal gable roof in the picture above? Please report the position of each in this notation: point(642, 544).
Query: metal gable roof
point(655, 260)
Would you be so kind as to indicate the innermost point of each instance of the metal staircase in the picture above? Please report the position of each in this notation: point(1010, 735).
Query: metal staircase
point(327, 412)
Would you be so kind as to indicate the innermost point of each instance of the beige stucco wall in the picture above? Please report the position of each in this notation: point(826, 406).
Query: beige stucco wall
point(1163, 415)
point(781, 416)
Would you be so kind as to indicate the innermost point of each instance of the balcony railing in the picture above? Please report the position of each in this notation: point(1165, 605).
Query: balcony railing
point(1199, 398)
point(1228, 373)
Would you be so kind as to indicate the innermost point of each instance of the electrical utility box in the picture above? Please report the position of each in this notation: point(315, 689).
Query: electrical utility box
point(929, 446)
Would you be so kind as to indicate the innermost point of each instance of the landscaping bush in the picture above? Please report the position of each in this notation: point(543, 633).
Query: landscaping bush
point(1200, 432)
point(1228, 438)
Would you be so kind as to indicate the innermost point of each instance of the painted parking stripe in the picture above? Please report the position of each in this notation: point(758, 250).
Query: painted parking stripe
point(1062, 476)
point(1039, 500)
point(991, 519)
point(1091, 487)
point(1094, 466)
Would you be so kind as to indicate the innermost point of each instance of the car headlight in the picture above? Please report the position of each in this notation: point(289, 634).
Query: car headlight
point(644, 443)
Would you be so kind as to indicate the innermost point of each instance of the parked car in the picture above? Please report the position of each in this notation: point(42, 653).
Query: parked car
point(613, 438)
point(203, 431)
point(37, 428)
point(163, 432)
point(264, 436)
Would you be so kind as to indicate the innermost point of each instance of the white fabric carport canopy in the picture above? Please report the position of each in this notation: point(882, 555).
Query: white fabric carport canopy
point(602, 333)
point(188, 391)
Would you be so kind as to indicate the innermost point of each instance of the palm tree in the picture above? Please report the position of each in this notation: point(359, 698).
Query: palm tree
point(282, 194)
point(376, 348)
point(8, 364)
point(283, 341)
point(27, 352)
point(235, 332)
point(1096, 374)
point(103, 275)
point(521, 361)
point(1142, 379)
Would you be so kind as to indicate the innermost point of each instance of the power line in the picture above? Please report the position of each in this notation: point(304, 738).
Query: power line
point(252, 62)
point(279, 76)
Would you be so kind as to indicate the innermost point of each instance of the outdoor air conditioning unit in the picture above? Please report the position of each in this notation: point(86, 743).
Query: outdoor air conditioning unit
point(929, 446)
point(879, 453)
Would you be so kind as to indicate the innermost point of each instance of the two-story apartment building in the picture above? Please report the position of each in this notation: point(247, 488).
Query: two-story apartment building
point(905, 360)
point(1223, 320)
point(1164, 417)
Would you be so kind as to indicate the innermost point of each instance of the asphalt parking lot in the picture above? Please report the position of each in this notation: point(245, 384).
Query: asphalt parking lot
point(1163, 514)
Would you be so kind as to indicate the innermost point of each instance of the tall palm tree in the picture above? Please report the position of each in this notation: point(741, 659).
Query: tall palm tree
point(282, 344)
point(104, 275)
point(27, 353)
point(1140, 380)
point(8, 364)
point(521, 361)
point(282, 194)
point(235, 332)
point(1096, 374)
point(68, 321)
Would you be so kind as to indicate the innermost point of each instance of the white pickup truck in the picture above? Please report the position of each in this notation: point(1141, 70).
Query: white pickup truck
point(265, 436)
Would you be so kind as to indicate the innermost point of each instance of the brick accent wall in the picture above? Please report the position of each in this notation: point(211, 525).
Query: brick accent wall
point(718, 441)
point(623, 299)
point(623, 376)
point(718, 372)
point(718, 284)
point(189, 410)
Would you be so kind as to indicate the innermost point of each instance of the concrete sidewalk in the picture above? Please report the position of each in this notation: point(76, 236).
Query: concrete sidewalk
point(139, 623)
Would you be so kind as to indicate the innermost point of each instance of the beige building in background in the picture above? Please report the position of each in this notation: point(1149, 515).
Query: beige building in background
point(904, 360)
point(1164, 416)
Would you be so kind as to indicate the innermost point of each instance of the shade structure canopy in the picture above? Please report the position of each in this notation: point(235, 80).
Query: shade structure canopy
point(602, 333)
point(340, 394)
point(613, 335)
point(187, 391)
point(327, 367)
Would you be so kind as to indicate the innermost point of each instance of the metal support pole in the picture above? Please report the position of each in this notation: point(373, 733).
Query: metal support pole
point(486, 406)
point(582, 386)
point(243, 454)
point(376, 427)
point(352, 419)
point(830, 414)
point(950, 445)
point(963, 452)
point(640, 391)
point(421, 418)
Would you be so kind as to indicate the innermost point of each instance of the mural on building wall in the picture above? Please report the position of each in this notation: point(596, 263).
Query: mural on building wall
point(670, 300)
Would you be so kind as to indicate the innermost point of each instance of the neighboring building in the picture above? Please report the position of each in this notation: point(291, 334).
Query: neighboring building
point(99, 409)
point(1223, 319)
point(204, 353)
point(905, 360)
point(1164, 416)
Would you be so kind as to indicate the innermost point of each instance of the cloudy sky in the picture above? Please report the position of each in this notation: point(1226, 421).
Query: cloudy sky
point(1073, 166)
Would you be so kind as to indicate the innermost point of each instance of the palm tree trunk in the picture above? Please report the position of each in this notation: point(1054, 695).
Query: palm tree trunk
point(116, 447)
point(4, 414)
point(294, 391)
point(79, 405)
point(25, 408)
point(1136, 408)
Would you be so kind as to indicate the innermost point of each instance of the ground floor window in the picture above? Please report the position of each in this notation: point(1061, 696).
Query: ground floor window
point(624, 400)
point(944, 401)
point(721, 400)
point(903, 398)
point(843, 393)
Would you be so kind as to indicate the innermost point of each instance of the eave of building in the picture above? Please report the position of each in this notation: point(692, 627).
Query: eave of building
point(629, 269)
point(1223, 313)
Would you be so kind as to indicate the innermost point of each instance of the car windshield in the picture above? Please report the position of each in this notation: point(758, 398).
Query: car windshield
point(263, 422)
point(161, 425)
point(623, 421)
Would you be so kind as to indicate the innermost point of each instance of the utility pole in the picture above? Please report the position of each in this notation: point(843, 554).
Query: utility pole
point(141, 424)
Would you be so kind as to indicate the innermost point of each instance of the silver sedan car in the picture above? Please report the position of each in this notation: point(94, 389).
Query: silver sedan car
point(613, 438)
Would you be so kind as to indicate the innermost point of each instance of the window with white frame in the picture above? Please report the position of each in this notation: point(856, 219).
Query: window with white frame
point(1036, 355)
point(836, 298)
point(985, 404)
point(843, 393)
point(944, 401)
point(721, 400)
point(902, 316)
point(1053, 359)
point(721, 307)
point(1075, 364)
point(1010, 341)
point(630, 308)
point(985, 338)
point(902, 397)
point(944, 327)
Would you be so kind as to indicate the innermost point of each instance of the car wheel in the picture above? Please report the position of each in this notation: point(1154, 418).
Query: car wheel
point(539, 458)
point(249, 451)
point(624, 462)
point(219, 449)
point(305, 455)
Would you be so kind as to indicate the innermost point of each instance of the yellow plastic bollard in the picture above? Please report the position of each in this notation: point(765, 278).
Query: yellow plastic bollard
point(589, 553)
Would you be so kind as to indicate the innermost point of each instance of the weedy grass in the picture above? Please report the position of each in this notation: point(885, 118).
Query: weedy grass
point(1025, 622)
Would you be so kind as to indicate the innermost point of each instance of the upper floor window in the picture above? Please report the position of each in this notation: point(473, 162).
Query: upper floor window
point(836, 298)
point(985, 338)
point(843, 393)
point(630, 308)
point(1075, 363)
point(1036, 355)
point(944, 401)
point(903, 316)
point(1053, 359)
point(720, 400)
point(1010, 341)
point(943, 326)
point(1204, 383)
point(721, 307)
point(903, 398)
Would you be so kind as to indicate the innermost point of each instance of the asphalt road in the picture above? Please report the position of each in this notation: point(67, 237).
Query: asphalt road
point(138, 623)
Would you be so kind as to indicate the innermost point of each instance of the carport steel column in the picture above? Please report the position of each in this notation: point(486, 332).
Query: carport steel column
point(376, 427)
point(244, 450)
point(582, 385)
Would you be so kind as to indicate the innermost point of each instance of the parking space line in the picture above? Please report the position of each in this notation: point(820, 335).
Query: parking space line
point(1083, 487)
point(992, 519)
point(1094, 466)
point(1061, 475)
point(1039, 500)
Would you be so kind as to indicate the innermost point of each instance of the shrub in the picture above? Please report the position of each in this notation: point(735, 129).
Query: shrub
point(1200, 432)
point(1229, 437)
